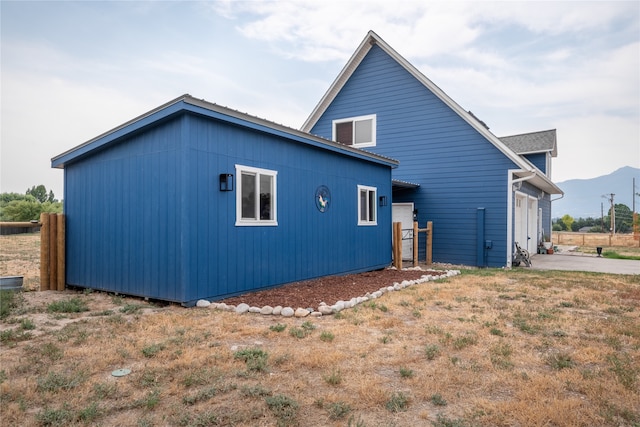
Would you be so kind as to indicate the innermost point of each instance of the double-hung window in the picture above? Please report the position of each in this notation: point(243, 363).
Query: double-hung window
point(367, 214)
point(256, 202)
point(356, 131)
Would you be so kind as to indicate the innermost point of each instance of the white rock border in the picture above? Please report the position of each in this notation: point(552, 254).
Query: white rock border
point(324, 309)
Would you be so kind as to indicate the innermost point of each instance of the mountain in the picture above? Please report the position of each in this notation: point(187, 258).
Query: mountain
point(582, 197)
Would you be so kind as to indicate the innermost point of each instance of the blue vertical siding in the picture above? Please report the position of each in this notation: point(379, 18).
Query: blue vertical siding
point(457, 168)
point(145, 215)
point(539, 160)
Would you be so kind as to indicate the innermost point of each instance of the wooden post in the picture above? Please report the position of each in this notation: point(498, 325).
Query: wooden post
point(397, 245)
point(44, 252)
point(429, 242)
point(60, 252)
point(415, 243)
point(53, 249)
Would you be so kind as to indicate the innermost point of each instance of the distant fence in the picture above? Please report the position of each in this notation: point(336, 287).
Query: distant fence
point(595, 239)
point(7, 228)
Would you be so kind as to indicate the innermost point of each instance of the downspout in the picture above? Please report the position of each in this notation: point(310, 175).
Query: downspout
point(510, 191)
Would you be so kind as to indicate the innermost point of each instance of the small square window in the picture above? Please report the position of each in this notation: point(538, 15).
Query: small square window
point(256, 198)
point(356, 131)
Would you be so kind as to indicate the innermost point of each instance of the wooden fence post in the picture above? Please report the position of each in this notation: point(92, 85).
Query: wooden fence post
point(44, 252)
point(429, 242)
point(415, 243)
point(60, 253)
point(53, 252)
point(397, 245)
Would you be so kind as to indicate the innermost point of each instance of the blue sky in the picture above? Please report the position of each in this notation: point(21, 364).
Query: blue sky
point(73, 70)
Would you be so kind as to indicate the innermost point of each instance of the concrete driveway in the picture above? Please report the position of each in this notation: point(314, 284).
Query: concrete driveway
point(565, 259)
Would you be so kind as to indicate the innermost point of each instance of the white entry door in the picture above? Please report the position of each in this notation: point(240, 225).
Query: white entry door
point(403, 213)
point(526, 222)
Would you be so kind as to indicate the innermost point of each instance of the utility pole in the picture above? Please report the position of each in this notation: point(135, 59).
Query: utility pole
point(609, 197)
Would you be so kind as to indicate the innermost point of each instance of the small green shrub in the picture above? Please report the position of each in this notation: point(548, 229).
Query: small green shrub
point(27, 325)
point(279, 327)
point(254, 358)
point(338, 410)
point(497, 332)
point(283, 408)
point(55, 417)
point(200, 396)
point(397, 402)
point(334, 378)
point(432, 351)
point(406, 373)
point(465, 341)
point(152, 350)
point(73, 305)
point(438, 400)
point(55, 381)
point(326, 336)
point(560, 361)
point(624, 369)
point(8, 302)
point(256, 391)
point(131, 308)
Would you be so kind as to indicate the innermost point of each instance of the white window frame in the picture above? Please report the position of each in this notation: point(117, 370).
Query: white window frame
point(369, 190)
point(257, 172)
point(371, 117)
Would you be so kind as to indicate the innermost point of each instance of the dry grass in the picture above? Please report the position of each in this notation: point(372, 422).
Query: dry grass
point(486, 348)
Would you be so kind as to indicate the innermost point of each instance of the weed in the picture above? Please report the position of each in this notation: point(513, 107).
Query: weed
point(279, 327)
point(500, 356)
point(8, 302)
point(203, 419)
point(338, 410)
point(432, 351)
point(326, 336)
point(434, 330)
point(334, 378)
point(104, 390)
point(55, 381)
point(416, 313)
point(624, 369)
point(13, 336)
point(496, 332)
point(566, 304)
point(404, 303)
point(308, 326)
point(131, 308)
point(406, 373)
point(198, 377)
point(255, 391)
point(298, 332)
point(150, 401)
point(89, 414)
point(397, 402)
point(385, 339)
point(283, 408)
point(73, 305)
point(355, 423)
point(560, 361)
point(149, 378)
point(200, 396)
point(615, 255)
point(438, 400)
point(3, 376)
point(152, 350)
point(522, 324)
point(27, 325)
point(55, 417)
point(254, 358)
point(465, 341)
point(443, 421)
point(52, 351)
point(559, 334)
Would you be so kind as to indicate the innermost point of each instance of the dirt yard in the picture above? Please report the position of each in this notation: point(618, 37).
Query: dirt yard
point(485, 348)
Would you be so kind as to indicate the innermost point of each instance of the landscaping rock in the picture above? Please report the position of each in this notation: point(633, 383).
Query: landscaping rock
point(203, 303)
point(287, 312)
point(325, 309)
point(242, 308)
point(267, 309)
point(301, 312)
point(277, 310)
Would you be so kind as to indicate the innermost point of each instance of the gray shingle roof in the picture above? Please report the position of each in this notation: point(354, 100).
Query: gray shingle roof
point(534, 142)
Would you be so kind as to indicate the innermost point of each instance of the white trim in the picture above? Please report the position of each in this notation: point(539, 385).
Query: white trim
point(371, 117)
point(375, 205)
point(242, 222)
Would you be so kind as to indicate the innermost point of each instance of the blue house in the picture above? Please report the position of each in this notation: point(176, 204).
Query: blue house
point(481, 193)
point(193, 200)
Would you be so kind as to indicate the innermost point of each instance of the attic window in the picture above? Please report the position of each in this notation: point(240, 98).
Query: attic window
point(356, 131)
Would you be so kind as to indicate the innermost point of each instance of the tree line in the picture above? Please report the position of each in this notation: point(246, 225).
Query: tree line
point(16, 207)
point(623, 221)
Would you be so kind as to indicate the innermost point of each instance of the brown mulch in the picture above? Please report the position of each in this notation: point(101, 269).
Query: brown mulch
point(330, 289)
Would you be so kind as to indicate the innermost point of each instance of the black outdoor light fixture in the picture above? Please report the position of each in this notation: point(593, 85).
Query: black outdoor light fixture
point(382, 200)
point(226, 182)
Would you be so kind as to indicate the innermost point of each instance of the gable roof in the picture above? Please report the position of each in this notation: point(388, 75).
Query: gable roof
point(187, 103)
point(533, 142)
point(526, 168)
